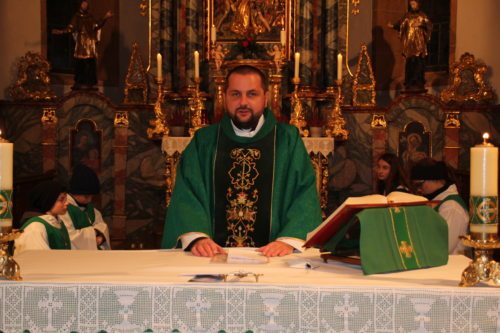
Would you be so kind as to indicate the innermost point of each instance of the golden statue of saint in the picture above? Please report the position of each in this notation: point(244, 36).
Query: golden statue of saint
point(415, 30)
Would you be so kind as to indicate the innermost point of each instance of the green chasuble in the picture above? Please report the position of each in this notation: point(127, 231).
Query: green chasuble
point(58, 238)
point(294, 204)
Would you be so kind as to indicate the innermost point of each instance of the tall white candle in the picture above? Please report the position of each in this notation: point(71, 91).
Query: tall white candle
point(159, 64)
point(213, 34)
point(339, 67)
point(484, 188)
point(283, 37)
point(6, 171)
point(297, 65)
point(196, 64)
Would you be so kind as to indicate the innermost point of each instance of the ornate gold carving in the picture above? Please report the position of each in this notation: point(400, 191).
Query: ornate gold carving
point(298, 117)
point(136, 84)
point(218, 53)
point(143, 7)
point(160, 125)
point(467, 83)
point(197, 109)
point(355, 4)
point(121, 119)
point(33, 81)
point(483, 267)
point(275, 91)
point(245, 18)
point(219, 80)
point(278, 55)
point(335, 126)
point(170, 174)
point(320, 165)
point(364, 81)
point(9, 268)
point(452, 119)
point(49, 116)
point(378, 121)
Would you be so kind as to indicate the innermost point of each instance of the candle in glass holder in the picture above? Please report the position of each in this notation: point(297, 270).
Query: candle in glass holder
point(297, 65)
point(159, 64)
point(6, 171)
point(196, 64)
point(483, 203)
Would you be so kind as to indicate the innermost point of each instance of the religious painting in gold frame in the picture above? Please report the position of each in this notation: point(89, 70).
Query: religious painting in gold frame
point(241, 22)
point(85, 145)
point(414, 144)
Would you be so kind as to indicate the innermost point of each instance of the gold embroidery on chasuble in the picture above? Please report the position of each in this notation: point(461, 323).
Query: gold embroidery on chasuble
point(242, 197)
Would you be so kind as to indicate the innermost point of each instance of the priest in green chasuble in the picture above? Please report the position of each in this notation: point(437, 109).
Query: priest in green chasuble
point(247, 181)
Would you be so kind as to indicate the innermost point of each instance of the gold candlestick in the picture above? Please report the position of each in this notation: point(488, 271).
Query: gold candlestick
point(297, 117)
point(483, 215)
point(196, 108)
point(160, 124)
point(335, 126)
point(9, 268)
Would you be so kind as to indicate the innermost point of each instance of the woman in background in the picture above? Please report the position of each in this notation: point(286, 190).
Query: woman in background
point(390, 175)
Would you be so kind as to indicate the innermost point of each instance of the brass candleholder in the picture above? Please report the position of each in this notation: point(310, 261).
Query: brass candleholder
point(160, 124)
point(196, 108)
point(9, 268)
point(297, 117)
point(335, 126)
point(482, 268)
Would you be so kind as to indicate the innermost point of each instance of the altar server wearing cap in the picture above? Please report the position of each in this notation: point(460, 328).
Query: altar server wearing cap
point(43, 230)
point(431, 179)
point(84, 222)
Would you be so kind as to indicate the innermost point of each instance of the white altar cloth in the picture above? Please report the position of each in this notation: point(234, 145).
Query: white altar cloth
point(145, 291)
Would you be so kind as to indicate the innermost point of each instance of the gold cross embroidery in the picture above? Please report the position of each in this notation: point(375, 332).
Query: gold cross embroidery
point(406, 249)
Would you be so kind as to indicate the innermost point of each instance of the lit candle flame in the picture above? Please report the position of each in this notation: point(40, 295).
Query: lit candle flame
point(486, 136)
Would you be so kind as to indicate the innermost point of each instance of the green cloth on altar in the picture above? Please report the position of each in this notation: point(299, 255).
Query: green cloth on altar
point(394, 239)
point(295, 208)
point(58, 238)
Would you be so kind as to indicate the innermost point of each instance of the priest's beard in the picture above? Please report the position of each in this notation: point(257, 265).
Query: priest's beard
point(250, 124)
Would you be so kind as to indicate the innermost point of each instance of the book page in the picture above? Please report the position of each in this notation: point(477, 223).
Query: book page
point(401, 197)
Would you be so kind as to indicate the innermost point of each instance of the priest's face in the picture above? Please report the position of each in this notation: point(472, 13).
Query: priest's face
point(246, 99)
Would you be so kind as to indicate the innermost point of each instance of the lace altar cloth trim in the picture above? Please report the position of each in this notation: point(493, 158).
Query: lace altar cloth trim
point(40, 307)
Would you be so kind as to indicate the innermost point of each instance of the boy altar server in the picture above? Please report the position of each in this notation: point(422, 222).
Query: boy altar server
point(84, 222)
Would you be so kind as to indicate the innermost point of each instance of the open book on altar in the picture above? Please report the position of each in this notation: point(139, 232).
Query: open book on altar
point(353, 205)
point(384, 234)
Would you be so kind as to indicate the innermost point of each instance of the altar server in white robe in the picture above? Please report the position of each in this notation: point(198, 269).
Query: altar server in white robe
point(42, 228)
point(86, 227)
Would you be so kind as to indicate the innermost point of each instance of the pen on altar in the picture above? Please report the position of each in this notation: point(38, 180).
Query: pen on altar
point(325, 252)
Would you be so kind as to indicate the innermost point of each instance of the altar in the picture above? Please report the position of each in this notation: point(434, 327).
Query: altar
point(148, 291)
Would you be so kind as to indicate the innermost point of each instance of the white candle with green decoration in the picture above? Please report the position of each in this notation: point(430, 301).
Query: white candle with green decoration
point(6, 169)
point(483, 203)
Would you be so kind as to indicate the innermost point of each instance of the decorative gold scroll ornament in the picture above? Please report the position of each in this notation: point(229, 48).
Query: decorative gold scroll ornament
point(33, 80)
point(467, 83)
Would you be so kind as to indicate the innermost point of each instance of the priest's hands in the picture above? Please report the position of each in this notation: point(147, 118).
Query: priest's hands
point(206, 247)
point(276, 249)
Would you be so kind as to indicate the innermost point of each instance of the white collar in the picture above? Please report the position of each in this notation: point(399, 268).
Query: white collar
point(248, 133)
